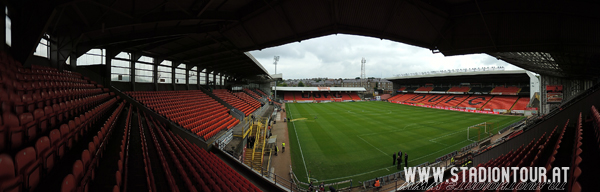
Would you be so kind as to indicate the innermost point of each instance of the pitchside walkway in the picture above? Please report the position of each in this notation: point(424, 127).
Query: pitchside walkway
point(282, 161)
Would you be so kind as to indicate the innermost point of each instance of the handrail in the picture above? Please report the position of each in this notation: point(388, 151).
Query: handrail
point(253, 146)
point(264, 138)
point(269, 163)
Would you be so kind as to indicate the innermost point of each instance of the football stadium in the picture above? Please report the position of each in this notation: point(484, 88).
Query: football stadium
point(130, 95)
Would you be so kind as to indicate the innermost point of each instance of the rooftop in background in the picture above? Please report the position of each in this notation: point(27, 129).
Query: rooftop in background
point(319, 88)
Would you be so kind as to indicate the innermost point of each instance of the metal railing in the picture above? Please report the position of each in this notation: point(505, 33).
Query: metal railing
point(271, 176)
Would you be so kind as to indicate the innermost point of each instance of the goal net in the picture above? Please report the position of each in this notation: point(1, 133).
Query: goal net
point(480, 131)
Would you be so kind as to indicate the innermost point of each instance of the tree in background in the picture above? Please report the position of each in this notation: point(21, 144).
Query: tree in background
point(300, 84)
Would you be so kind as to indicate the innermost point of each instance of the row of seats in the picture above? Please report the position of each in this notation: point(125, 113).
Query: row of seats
point(288, 96)
point(28, 126)
point(401, 97)
point(499, 89)
point(254, 94)
point(83, 169)
point(248, 99)
point(260, 92)
point(424, 89)
point(199, 170)
point(506, 90)
point(234, 101)
point(501, 102)
point(475, 101)
point(485, 102)
point(585, 154)
point(192, 110)
point(354, 96)
point(38, 99)
point(521, 103)
point(146, 157)
point(459, 89)
point(29, 102)
point(302, 97)
point(32, 163)
point(435, 99)
point(385, 96)
point(120, 174)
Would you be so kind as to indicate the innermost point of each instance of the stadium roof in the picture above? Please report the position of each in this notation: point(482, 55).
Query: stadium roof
point(558, 37)
point(512, 76)
point(319, 88)
point(460, 74)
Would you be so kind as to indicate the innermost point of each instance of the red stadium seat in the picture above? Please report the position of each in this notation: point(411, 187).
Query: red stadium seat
point(69, 184)
point(78, 172)
point(10, 181)
point(28, 166)
point(45, 153)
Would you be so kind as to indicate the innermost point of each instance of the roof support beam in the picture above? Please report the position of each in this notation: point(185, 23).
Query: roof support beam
point(204, 8)
point(81, 16)
point(486, 26)
point(194, 46)
point(109, 8)
point(144, 35)
point(249, 35)
point(284, 17)
point(205, 54)
point(433, 49)
point(104, 13)
point(216, 60)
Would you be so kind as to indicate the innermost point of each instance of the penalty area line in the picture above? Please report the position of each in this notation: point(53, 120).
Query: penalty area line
point(299, 146)
point(372, 145)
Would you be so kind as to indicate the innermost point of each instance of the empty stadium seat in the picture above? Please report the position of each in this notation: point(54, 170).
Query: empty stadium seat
point(501, 102)
point(475, 101)
point(45, 153)
point(193, 110)
point(69, 184)
point(521, 103)
point(28, 166)
point(10, 181)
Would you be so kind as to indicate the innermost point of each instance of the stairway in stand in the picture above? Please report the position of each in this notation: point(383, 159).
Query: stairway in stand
point(259, 148)
point(254, 156)
point(249, 151)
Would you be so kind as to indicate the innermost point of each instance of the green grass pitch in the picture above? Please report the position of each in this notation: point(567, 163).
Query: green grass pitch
point(356, 140)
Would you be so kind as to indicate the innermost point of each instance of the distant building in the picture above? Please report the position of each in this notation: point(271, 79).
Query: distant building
point(370, 85)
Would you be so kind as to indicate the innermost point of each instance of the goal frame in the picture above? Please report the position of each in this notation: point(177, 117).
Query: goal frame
point(485, 126)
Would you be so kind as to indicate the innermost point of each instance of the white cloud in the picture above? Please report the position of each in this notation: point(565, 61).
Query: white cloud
point(338, 56)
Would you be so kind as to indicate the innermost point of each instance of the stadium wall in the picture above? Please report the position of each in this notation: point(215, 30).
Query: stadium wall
point(93, 72)
point(560, 118)
point(180, 87)
point(163, 87)
point(571, 88)
point(125, 86)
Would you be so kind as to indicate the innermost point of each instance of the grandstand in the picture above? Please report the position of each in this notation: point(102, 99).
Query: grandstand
point(235, 101)
point(470, 96)
point(501, 103)
point(320, 94)
point(164, 95)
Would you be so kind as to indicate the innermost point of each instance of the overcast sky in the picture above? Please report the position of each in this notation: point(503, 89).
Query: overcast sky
point(338, 56)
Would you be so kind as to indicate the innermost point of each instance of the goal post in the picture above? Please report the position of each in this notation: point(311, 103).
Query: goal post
point(485, 128)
